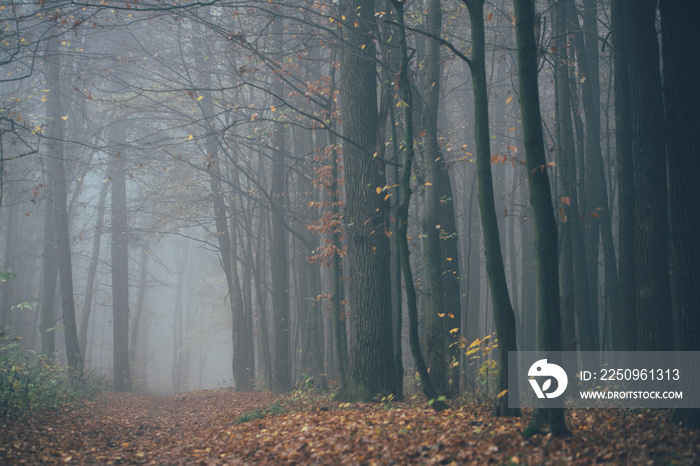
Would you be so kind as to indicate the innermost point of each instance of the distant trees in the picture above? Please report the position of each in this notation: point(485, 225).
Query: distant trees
point(261, 136)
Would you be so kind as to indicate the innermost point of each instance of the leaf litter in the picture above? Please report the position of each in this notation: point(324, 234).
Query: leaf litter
point(216, 427)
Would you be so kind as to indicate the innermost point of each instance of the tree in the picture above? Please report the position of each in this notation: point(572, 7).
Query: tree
point(58, 175)
point(92, 271)
point(436, 340)
point(653, 297)
point(548, 310)
point(680, 35)
point(406, 102)
point(371, 371)
point(624, 319)
point(120, 263)
point(502, 307)
point(280, 238)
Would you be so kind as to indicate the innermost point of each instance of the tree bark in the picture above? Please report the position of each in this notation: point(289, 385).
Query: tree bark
point(406, 102)
point(502, 308)
point(435, 329)
point(281, 373)
point(679, 26)
point(120, 266)
point(56, 133)
point(371, 369)
point(624, 319)
point(548, 310)
point(653, 297)
point(92, 271)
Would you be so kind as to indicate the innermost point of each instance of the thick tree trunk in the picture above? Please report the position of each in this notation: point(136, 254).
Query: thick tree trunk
point(371, 369)
point(679, 26)
point(654, 325)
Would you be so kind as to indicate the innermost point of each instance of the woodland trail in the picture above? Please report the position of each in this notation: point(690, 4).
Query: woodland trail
point(204, 428)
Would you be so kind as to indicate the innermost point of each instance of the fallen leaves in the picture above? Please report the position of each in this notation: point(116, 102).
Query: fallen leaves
point(201, 428)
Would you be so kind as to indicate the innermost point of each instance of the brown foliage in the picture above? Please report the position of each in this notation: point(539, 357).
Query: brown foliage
point(201, 428)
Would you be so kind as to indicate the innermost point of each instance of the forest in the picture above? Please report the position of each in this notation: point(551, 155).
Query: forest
point(312, 231)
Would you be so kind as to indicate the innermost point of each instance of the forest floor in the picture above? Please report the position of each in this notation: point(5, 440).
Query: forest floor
point(225, 427)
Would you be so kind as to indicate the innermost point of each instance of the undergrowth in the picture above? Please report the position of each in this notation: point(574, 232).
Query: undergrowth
point(303, 398)
point(30, 382)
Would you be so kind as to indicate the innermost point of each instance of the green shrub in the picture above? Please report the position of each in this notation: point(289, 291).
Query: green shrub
point(31, 381)
point(250, 416)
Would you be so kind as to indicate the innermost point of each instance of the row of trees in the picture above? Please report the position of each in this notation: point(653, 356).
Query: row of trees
point(323, 150)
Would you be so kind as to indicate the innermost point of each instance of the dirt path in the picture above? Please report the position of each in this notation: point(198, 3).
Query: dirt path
point(202, 428)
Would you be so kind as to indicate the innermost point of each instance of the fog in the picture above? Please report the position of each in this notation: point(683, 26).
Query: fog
point(211, 194)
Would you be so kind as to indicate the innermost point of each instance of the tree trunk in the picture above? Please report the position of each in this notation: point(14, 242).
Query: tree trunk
point(120, 268)
point(371, 370)
point(241, 334)
point(679, 26)
point(568, 202)
point(502, 308)
point(178, 342)
point(406, 102)
point(56, 132)
point(10, 265)
point(92, 271)
point(282, 381)
point(548, 311)
point(240, 361)
point(654, 326)
point(436, 353)
point(624, 319)
point(49, 276)
point(449, 248)
point(137, 329)
point(598, 217)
